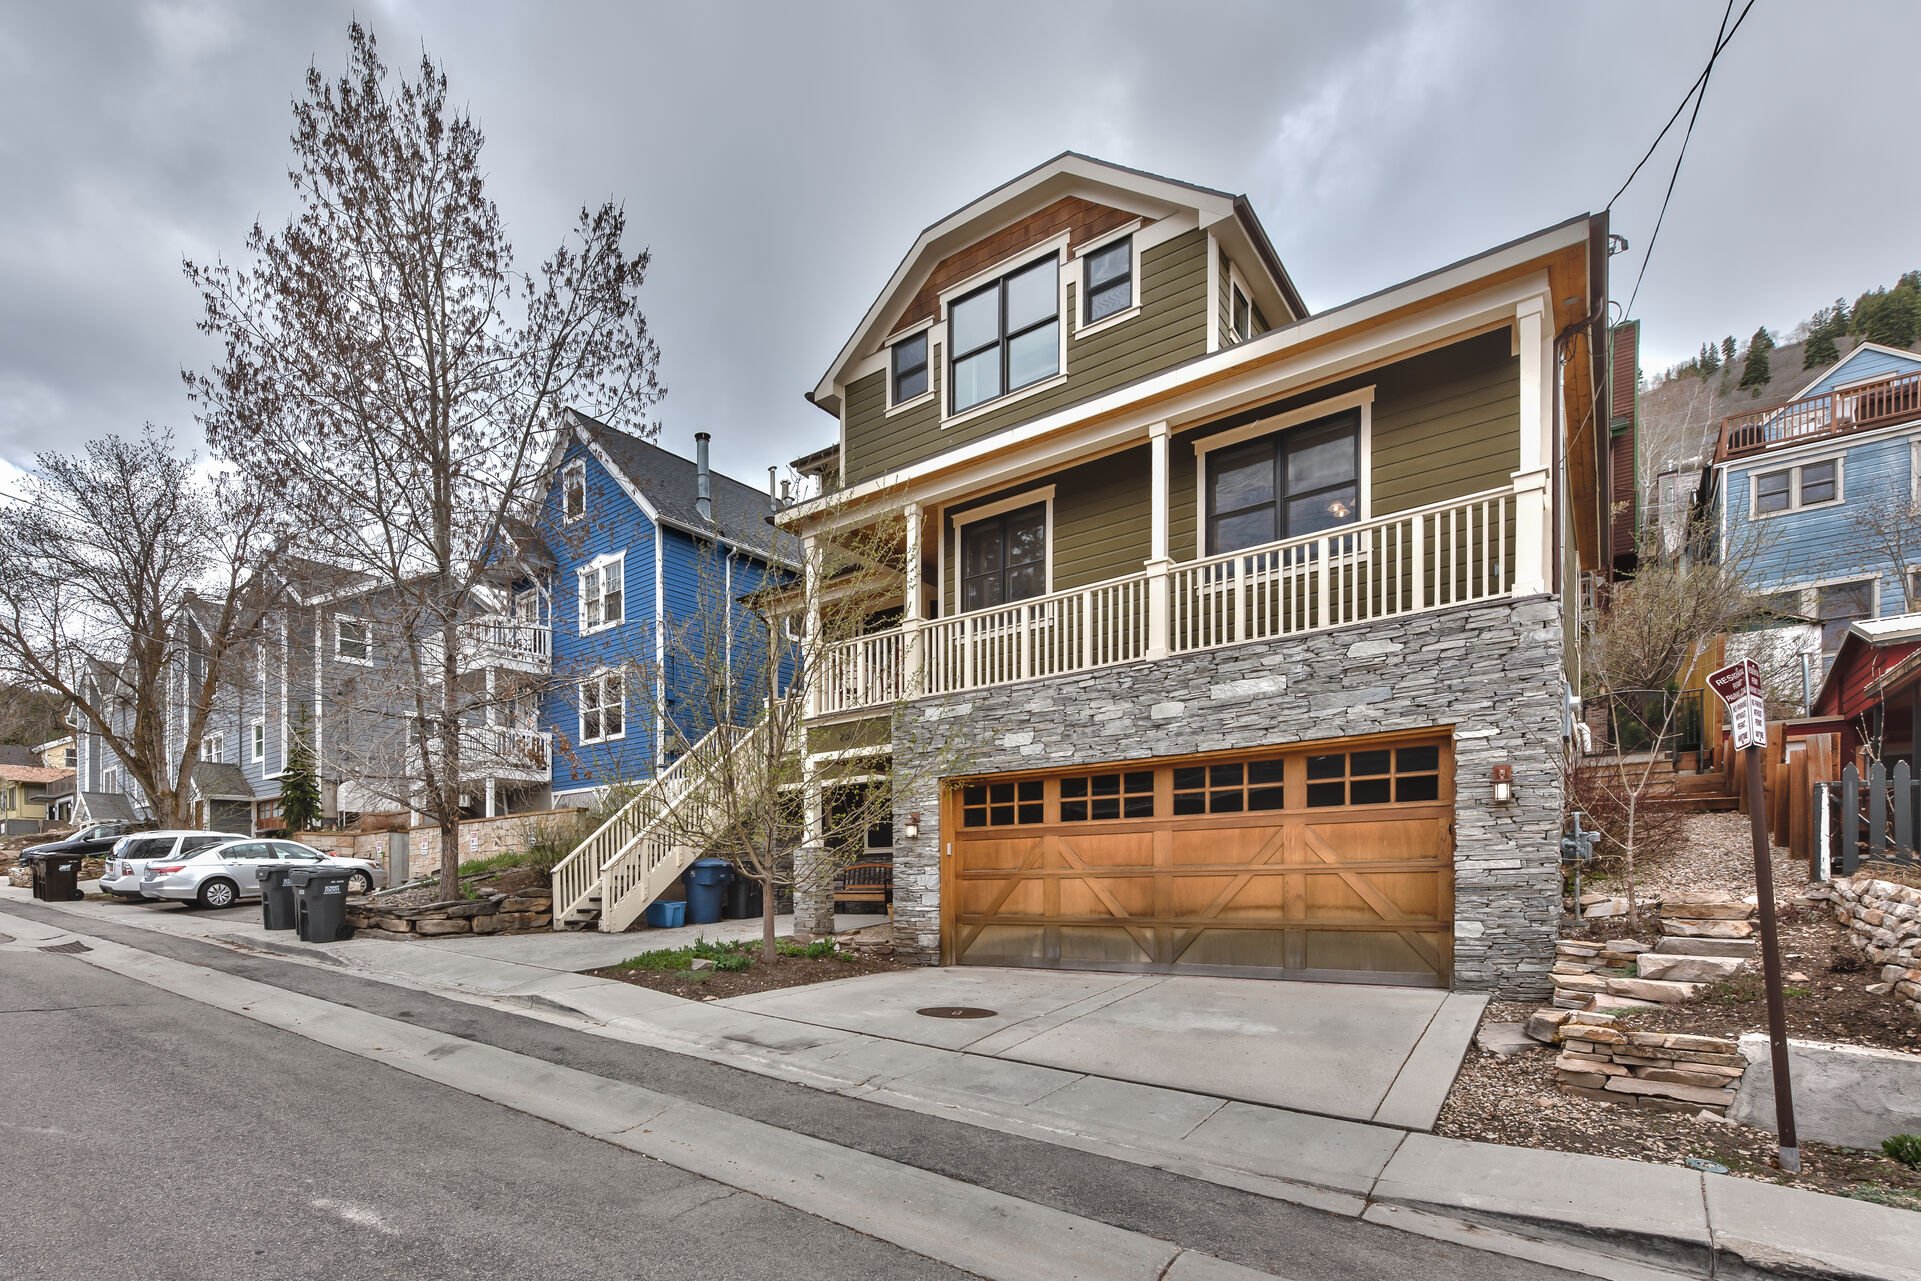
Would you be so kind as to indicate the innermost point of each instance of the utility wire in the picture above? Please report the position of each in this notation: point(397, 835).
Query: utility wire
point(1699, 81)
point(1701, 95)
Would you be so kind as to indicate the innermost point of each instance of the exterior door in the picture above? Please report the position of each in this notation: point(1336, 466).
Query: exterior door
point(1331, 861)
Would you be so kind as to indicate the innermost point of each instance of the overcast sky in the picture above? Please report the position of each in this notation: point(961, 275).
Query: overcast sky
point(779, 158)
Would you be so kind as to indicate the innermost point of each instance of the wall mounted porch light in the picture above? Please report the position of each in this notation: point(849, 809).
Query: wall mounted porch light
point(1503, 784)
point(911, 828)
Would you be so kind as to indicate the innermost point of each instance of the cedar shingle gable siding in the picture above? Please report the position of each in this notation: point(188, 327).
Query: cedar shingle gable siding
point(1082, 220)
point(1171, 328)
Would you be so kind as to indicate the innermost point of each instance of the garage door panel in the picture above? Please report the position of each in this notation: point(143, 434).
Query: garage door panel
point(1196, 877)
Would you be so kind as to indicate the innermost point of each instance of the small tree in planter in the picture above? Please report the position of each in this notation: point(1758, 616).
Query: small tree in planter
point(299, 784)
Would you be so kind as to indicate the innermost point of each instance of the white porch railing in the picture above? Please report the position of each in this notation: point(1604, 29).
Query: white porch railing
point(504, 749)
point(499, 639)
point(632, 857)
point(1430, 557)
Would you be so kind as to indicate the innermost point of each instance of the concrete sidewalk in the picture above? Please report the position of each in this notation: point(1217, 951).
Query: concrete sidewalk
point(1631, 1213)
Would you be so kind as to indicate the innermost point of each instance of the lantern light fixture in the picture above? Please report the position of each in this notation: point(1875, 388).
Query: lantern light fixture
point(911, 828)
point(1503, 784)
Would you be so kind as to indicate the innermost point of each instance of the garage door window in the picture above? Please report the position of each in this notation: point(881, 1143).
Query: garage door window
point(1376, 777)
point(1106, 796)
point(1003, 804)
point(1230, 788)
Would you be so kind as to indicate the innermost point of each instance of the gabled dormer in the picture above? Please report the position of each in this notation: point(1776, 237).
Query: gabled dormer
point(1073, 279)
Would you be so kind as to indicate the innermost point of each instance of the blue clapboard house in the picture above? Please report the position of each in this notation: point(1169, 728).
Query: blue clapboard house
point(652, 557)
point(1799, 485)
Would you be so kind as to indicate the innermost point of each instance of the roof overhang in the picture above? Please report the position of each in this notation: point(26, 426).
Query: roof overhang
point(1068, 174)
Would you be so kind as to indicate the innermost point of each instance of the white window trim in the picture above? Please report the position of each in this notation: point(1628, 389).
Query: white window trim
point(927, 327)
point(257, 740)
point(213, 747)
point(367, 634)
point(1235, 284)
point(612, 564)
point(1126, 313)
point(598, 678)
point(1024, 258)
point(1794, 487)
point(1361, 398)
point(577, 469)
point(1027, 498)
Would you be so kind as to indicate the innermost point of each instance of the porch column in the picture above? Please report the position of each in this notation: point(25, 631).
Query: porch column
point(910, 664)
point(491, 802)
point(1158, 563)
point(1533, 512)
point(810, 620)
point(813, 878)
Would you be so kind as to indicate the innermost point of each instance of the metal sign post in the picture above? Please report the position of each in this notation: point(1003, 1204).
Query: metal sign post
point(1739, 685)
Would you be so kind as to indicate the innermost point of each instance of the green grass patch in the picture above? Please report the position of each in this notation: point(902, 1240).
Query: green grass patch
point(725, 956)
point(494, 864)
point(818, 950)
point(1905, 1148)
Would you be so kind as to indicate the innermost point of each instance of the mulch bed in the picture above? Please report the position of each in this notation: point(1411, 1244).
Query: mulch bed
point(1516, 1100)
point(762, 976)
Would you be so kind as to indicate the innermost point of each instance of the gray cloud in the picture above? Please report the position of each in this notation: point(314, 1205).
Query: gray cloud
point(779, 159)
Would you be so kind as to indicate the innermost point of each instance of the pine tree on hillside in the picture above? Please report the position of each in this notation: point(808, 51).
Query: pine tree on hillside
point(299, 784)
point(1709, 360)
point(1754, 371)
point(1727, 350)
point(1891, 316)
point(1824, 331)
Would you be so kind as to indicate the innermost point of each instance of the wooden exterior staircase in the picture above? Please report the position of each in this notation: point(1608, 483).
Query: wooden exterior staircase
point(608, 880)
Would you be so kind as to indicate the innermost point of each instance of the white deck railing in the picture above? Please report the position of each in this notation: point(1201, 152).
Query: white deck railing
point(497, 638)
point(1445, 554)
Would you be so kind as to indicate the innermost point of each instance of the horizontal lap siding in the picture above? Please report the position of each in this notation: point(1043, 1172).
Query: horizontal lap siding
point(1171, 328)
point(1445, 424)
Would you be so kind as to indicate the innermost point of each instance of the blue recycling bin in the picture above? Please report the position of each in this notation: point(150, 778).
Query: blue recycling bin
point(706, 884)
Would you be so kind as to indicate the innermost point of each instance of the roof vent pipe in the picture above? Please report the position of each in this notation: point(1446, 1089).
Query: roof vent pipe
point(703, 481)
point(773, 495)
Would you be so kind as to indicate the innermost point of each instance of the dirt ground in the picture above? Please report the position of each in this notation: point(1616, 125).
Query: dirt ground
point(1516, 1101)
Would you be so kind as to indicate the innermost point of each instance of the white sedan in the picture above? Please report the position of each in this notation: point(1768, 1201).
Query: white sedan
point(222, 875)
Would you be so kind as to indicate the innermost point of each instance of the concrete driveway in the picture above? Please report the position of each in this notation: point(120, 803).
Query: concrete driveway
point(1380, 1054)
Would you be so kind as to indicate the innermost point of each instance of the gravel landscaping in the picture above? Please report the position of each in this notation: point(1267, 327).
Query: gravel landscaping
point(1516, 1100)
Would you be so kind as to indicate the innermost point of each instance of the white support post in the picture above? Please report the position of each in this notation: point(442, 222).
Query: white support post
point(1532, 537)
point(911, 646)
point(810, 621)
point(1158, 563)
point(1534, 343)
point(492, 810)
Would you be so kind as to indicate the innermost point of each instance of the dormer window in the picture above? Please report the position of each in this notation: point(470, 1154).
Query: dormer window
point(1107, 280)
point(351, 643)
point(908, 362)
point(573, 490)
point(1242, 316)
point(1005, 335)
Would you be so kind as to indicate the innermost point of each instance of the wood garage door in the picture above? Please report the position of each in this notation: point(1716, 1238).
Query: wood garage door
point(1329, 861)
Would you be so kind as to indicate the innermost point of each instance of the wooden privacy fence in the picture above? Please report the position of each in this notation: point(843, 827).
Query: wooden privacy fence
point(1871, 817)
point(1790, 768)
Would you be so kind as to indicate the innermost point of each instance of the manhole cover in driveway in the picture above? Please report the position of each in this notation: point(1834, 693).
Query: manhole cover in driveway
point(75, 946)
point(956, 1012)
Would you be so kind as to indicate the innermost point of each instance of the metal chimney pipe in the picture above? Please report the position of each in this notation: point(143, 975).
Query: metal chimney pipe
point(773, 494)
point(703, 480)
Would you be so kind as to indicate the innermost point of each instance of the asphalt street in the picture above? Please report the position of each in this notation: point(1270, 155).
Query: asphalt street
point(124, 1051)
point(149, 1138)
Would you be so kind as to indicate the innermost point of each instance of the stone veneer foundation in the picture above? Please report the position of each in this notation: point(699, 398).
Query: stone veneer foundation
point(1491, 671)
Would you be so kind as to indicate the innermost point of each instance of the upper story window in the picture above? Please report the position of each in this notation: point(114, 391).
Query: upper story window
point(1005, 335)
point(573, 490)
point(603, 593)
point(351, 641)
point(1293, 483)
point(1004, 558)
point(213, 747)
point(1107, 281)
point(258, 741)
point(603, 707)
point(1792, 488)
point(907, 368)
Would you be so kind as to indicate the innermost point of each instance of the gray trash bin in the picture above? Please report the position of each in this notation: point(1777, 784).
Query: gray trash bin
point(320, 904)
point(276, 896)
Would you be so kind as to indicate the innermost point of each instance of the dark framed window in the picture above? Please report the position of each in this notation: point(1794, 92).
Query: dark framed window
point(350, 639)
point(1774, 491)
point(909, 360)
point(1840, 604)
point(1107, 280)
point(1117, 794)
point(1004, 558)
point(1241, 314)
point(1018, 804)
point(1374, 776)
point(1004, 336)
point(1293, 483)
point(1230, 787)
point(573, 491)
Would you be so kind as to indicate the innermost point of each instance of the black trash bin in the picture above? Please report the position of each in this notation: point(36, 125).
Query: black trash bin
point(56, 878)
point(706, 889)
point(276, 896)
point(320, 903)
point(743, 899)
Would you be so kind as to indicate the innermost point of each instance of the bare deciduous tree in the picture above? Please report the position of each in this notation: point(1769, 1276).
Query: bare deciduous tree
point(396, 379)
point(134, 588)
point(1888, 527)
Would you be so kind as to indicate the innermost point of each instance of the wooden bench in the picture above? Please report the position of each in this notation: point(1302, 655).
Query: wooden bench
point(865, 883)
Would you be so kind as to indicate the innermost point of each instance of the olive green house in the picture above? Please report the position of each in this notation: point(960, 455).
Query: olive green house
point(1240, 628)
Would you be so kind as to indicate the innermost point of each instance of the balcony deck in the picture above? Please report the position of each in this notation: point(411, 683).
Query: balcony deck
point(1831, 414)
point(499, 641)
point(1452, 553)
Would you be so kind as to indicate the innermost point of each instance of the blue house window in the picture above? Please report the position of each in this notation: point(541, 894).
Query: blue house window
point(1792, 488)
point(573, 491)
point(603, 593)
point(603, 708)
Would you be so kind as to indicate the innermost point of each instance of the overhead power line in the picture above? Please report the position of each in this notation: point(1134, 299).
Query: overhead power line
point(1699, 82)
point(1700, 96)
